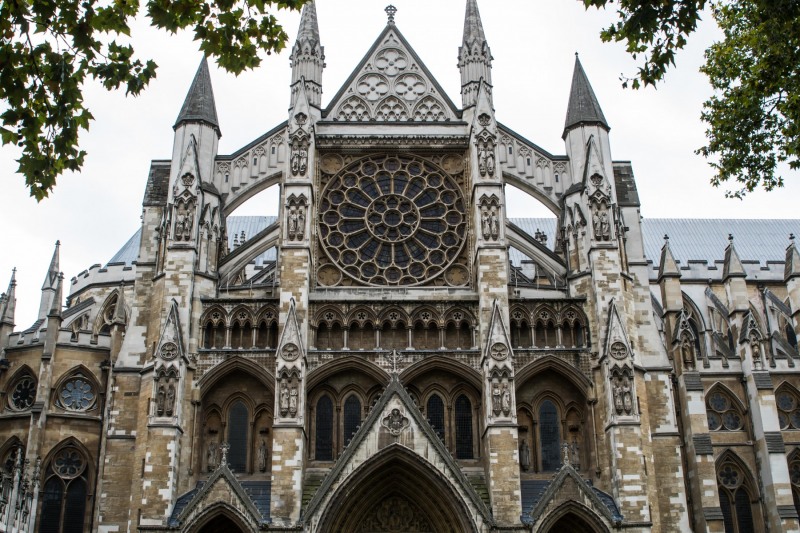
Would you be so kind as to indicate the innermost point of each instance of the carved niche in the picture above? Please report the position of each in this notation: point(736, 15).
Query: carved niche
point(296, 217)
point(166, 391)
point(622, 391)
point(490, 217)
point(299, 145)
point(485, 145)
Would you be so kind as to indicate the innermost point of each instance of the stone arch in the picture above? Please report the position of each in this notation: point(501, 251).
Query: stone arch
point(105, 316)
point(438, 362)
point(530, 189)
point(396, 478)
point(322, 373)
point(572, 374)
point(218, 518)
point(574, 517)
point(236, 199)
point(82, 371)
point(735, 405)
point(232, 364)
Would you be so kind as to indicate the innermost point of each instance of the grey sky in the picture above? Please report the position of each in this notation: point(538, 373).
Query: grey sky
point(533, 43)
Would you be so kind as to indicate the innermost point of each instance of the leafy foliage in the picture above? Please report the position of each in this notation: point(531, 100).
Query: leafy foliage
point(48, 48)
point(754, 116)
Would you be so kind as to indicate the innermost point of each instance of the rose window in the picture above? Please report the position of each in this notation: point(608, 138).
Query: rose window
point(392, 220)
point(69, 463)
point(24, 393)
point(77, 394)
point(721, 413)
point(788, 411)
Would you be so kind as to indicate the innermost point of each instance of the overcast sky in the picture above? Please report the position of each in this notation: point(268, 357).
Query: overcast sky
point(533, 44)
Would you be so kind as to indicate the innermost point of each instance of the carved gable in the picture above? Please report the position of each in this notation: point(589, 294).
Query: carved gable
point(391, 85)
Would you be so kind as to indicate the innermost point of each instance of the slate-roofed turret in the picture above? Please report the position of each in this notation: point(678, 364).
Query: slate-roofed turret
point(583, 106)
point(199, 105)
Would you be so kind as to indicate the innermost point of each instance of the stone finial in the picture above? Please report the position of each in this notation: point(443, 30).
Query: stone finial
point(224, 447)
point(390, 11)
point(667, 266)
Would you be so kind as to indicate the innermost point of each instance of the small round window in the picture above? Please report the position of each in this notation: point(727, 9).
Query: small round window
point(76, 394)
point(722, 416)
point(23, 393)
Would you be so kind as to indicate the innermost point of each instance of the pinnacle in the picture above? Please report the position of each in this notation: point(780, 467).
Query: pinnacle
point(473, 27)
point(199, 105)
point(309, 28)
point(51, 278)
point(583, 105)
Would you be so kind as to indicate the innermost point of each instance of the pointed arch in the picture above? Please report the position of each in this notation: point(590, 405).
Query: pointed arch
point(105, 316)
point(77, 390)
point(573, 516)
point(397, 474)
point(320, 374)
point(214, 514)
point(724, 409)
point(21, 389)
point(738, 493)
point(787, 399)
point(572, 374)
point(438, 362)
point(232, 364)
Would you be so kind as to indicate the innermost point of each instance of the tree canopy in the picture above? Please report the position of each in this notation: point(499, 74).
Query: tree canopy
point(48, 49)
point(753, 116)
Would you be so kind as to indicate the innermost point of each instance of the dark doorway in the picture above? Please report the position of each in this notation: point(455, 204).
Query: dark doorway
point(573, 524)
point(220, 524)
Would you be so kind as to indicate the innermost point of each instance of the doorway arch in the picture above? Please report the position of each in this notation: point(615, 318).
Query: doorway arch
point(575, 518)
point(220, 524)
point(220, 518)
point(396, 491)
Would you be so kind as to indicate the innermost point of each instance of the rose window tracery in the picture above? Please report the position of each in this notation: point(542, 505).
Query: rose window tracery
point(77, 394)
point(69, 463)
point(392, 220)
point(24, 393)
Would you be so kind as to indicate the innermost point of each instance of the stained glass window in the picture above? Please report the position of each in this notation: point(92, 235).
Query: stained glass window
point(23, 393)
point(549, 435)
point(50, 521)
point(463, 428)
point(352, 417)
point(435, 413)
point(238, 421)
point(324, 437)
point(734, 499)
point(64, 494)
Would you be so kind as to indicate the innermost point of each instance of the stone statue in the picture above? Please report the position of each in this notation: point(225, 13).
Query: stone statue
point(494, 224)
point(301, 223)
point(496, 399)
point(303, 160)
point(602, 227)
point(262, 457)
point(295, 159)
point(627, 396)
point(179, 226)
point(617, 397)
point(284, 398)
point(758, 364)
point(687, 353)
point(490, 160)
point(292, 223)
point(506, 400)
point(486, 225)
point(525, 456)
point(211, 455)
point(160, 397)
point(293, 402)
point(170, 406)
point(482, 158)
point(187, 225)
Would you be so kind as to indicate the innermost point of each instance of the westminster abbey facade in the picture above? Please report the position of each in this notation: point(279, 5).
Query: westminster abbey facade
point(392, 353)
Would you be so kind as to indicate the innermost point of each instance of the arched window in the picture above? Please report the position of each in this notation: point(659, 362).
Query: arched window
point(238, 425)
point(794, 477)
point(788, 408)
point(324, 430)
point(463, 428)
point(352, 417)
point(549, 436)
point(22, 392)
point(64, 494)
point(241, 335)
point(435, 411)
point(735, 499)
point(723, 412)
point(426, 337)
point(520, 334)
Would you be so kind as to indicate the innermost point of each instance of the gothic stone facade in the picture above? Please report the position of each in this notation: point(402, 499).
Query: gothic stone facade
point(373, 361)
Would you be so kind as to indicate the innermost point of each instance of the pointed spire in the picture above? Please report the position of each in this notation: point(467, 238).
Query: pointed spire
point(583, 106)
point(308, 57)
point(733, 265)
point(10, 300)
point(474, 56)
point(55, 306)
point(52, 272)
point(667, 267)
point(199, 105)
point(792, 267)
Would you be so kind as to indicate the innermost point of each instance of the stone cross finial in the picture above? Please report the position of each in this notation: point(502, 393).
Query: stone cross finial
point(730, 237)
point(390, 11)
point(666, 237)
point(395, 358)
point(791, 238)
point(224, 448)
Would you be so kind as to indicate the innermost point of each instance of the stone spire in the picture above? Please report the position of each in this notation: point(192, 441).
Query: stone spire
point(55, 305)
point(667, 267)
point(583, 106)
point(199, 105)
point(9, 301)
point(308, 57)
point(50, 284)
point(474, 56)
point(732, 267)
point(792, 266)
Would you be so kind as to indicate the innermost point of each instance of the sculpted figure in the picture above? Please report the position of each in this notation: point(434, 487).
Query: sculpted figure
point(486, 225)
point(525, 455)
point(687, 353)
point(494, 224)
point(490, 160)
point(211, 455)
point(303, 160)
point(301, 223)
point(295, 160)
point(160, 398)
point(292, 223)
point(482, 158)
point(293, 402)
point(170, 406)
point(506, 400)
point(262, 457)
point(187, 226)
point(627, 397)
point(617, 398)
point(284, 398)
point(605, 226)
point(179, 223)
point(496, 399)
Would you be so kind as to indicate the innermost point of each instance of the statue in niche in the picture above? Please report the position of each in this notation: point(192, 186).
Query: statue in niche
point(299, 158)
point(180, 221)
point(262, 456)
point(303, 159)
point(490, 159)
point(617, 390)
point(758, 364)
point(482, 158)
point(301, 222)
point(292, 223)
point(486, 163)
point(211, 455)
point(506, 400)
point(486, 224)
point(293, 402)
point(170, 403)
point(687, 352)
point(627, 396)
point(497, 401)
point(602, 226)
point(160, 399)
point(525, 455)
point(494, 224)
point(284, 398)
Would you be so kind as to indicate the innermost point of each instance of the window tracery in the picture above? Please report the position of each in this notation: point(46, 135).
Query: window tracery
point(723, 412)
point(734, 497)
point(22, 392)
point(392, 220)
point(77, 393)
point(788, 408)
point(65, 492)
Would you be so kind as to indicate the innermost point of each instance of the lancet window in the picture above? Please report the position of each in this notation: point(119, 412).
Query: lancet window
point(435, 410)
point(323, 449)
point(464, 430)
point(352, 417)
point(65, 492)
point(238, 436)
point(336, 419)
point(549, 436)
point(737, 497)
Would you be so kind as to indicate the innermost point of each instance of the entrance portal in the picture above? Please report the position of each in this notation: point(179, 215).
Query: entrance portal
point(220, 524)
point(572, 523)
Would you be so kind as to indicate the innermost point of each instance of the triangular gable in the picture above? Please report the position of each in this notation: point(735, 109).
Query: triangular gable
point(222, 488)
point(396, 414)
point(566, 485)
point(291, 331)
point(497, 337)
point(616, 331)
point(391, 84)
point(189, 166)
point(171, 333)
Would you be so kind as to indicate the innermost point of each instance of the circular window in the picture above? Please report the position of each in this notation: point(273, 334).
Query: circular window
point(24, 393)
point(721, 414)
point(69, 463)
point(77, 394)
point(392, 220)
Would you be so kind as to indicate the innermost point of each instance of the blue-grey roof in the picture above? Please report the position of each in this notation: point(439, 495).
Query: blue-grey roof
point(691, 239)
point(533, 490)
point(249, 224)
point(199, 105)
point(583, 106)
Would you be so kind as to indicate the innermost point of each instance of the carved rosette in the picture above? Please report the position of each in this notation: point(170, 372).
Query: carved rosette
point(395, 422)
